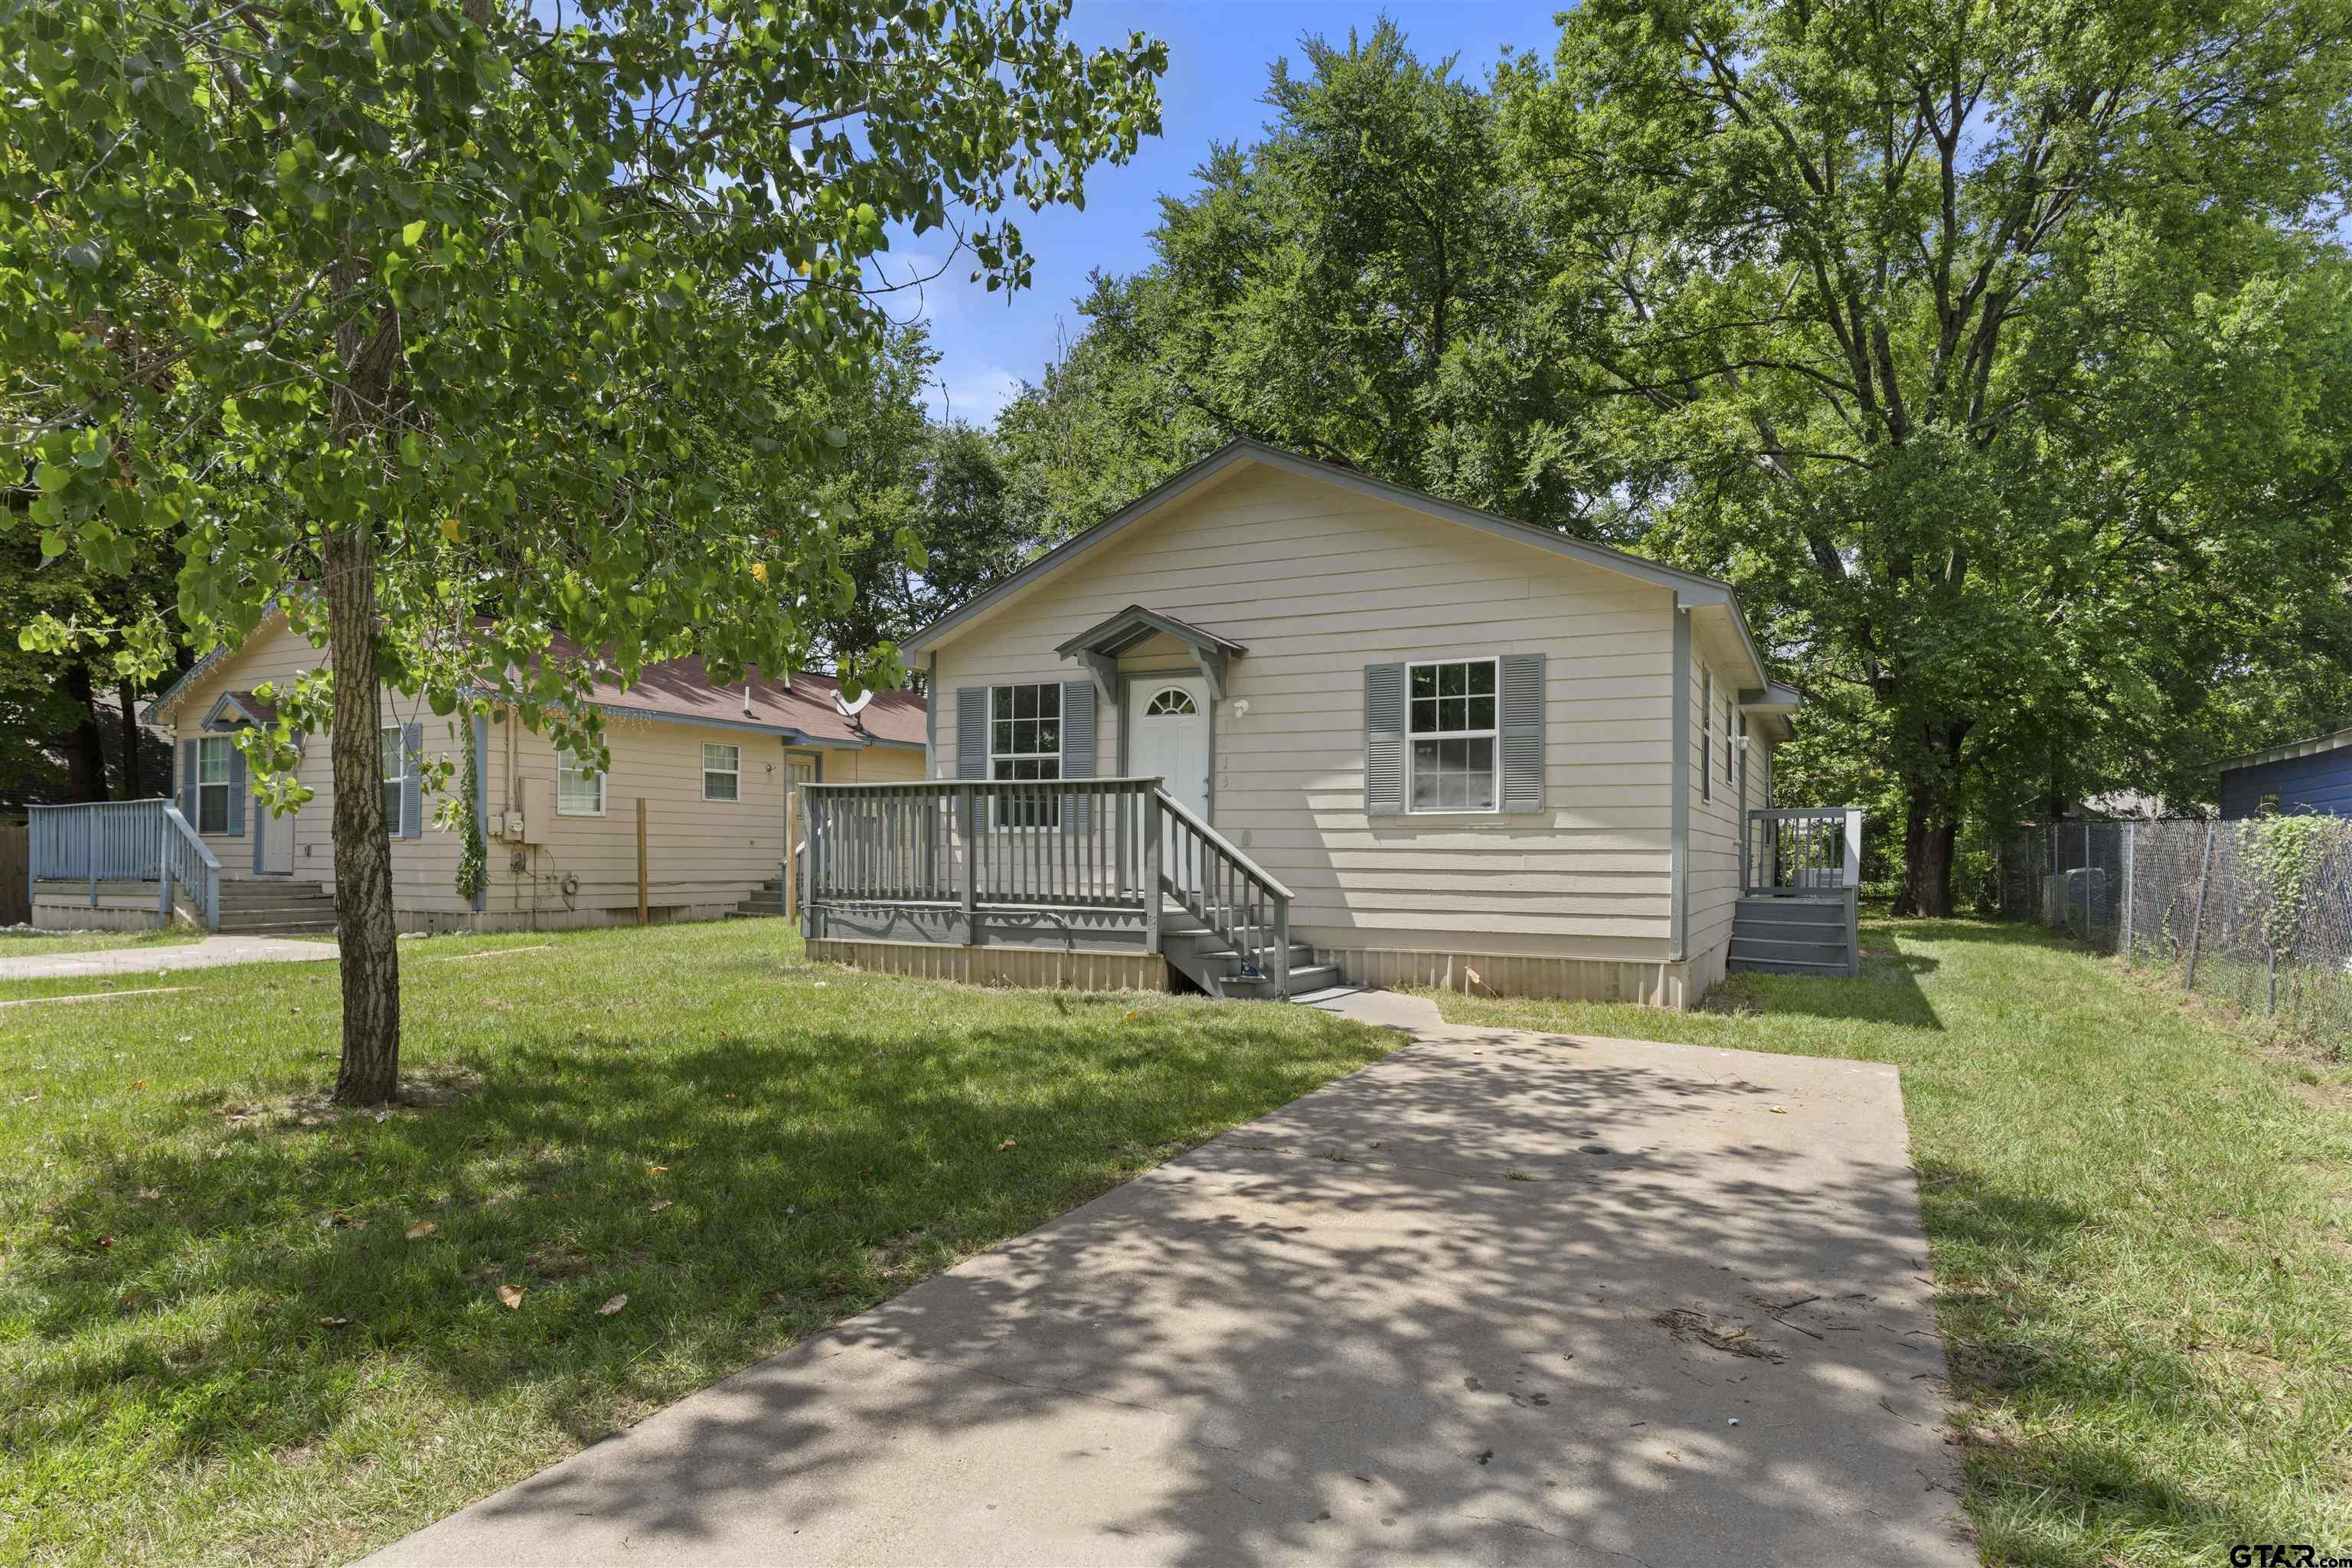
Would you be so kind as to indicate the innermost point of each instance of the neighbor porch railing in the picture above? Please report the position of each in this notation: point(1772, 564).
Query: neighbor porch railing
point(125, 841)
point(1068, 855)
point(1812, 849)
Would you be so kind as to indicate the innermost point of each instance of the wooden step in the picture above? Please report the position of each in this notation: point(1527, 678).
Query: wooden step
point(1783, 966)
point(1794, 952)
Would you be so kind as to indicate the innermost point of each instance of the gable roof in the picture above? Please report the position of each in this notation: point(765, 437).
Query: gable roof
point(2284, 752)
point(804, 711)
point(1691, 589)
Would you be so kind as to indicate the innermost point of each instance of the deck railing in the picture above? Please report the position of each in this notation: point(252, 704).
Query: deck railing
point(1100, 853)
point(1807, 850)
point(979, 845)
point(190, 862)
point(125, 841)
point(1228, 892)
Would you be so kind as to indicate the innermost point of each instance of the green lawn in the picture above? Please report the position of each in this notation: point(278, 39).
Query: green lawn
point(2140, 1227)
point(17, 943)
point(219, 1342)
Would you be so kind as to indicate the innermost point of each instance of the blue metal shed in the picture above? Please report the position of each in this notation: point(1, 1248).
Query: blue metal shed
point(2303, 775)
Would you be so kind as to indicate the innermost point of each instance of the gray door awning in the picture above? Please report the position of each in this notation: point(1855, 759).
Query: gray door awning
point(1099, 646)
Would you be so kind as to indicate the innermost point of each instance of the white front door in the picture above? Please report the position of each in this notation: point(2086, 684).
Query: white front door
point(277, 840)
point(1168, 736)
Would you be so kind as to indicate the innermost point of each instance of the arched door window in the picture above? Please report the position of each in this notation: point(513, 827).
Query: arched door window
point(1172, 702)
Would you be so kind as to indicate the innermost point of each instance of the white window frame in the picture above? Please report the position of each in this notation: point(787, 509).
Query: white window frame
point(733, 770)
point(396, 776)
point(207, 748)
point(1493, 735)
point(567, 761)
point(1706, 733)
point(1041, 760)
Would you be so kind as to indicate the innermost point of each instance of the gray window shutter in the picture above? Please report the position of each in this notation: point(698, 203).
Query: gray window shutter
point(412, 788)
point(1383, 739)
point(1079, 742)
point(971, 732)
point(188, 781)
point(1523, 731)
point(236, 791)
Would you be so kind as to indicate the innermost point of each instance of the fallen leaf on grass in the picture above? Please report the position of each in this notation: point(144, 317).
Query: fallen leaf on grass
point(657, 1205)
point(421, 1229)
point(335, 1322)
point(510, 1296)
point(1000, 1148)
point(778, 1297)
point(613, 1306)
point(657, 1170)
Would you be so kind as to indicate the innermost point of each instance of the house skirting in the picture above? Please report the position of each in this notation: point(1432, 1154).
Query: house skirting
point(126, 910)
point(1044, 968)
point(1651, 982)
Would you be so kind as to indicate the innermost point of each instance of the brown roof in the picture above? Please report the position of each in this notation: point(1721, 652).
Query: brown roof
point(681, 689)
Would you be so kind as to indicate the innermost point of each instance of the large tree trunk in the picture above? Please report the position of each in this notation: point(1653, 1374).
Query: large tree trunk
point(134, 777)
point(85, 744)
point(370, 1073)
point(1928, 837)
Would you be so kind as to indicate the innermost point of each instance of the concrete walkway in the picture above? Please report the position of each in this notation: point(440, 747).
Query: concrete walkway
point(1500, 1298)
point(209, 952)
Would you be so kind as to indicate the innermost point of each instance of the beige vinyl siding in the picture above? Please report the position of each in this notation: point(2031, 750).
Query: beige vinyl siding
point(702, 856)
point(1317, 581)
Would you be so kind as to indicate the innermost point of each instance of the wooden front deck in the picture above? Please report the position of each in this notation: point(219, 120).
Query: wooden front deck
point(1112, 867)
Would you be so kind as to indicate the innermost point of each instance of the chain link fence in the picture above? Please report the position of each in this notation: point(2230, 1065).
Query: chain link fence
point(2256, 914)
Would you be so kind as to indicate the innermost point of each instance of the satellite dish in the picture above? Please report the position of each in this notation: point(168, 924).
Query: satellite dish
point(852, 710)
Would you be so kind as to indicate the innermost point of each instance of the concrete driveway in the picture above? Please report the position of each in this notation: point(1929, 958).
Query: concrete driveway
point(205, 953)
point(1498, 1298)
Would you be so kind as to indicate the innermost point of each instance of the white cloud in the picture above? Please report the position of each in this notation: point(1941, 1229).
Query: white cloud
point(976, 397)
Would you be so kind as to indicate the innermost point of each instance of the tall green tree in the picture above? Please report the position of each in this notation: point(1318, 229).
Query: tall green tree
point(921, 506)
point(455, 324)
point(1360, 285)
point(2004, 350)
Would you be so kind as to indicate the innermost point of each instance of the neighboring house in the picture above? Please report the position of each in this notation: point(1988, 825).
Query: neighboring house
point(712, 764)
point(2313, 775)
point(1424, 744)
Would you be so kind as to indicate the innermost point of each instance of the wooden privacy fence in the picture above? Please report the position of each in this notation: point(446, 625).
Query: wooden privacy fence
point(15, 873)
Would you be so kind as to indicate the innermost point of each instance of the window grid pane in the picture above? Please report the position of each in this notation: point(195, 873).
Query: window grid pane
point(1452, 717)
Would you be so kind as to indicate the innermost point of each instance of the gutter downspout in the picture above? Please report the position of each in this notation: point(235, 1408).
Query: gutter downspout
point(1678, 733)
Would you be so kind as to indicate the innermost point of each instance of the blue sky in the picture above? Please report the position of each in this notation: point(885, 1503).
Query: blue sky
point(1218, 54)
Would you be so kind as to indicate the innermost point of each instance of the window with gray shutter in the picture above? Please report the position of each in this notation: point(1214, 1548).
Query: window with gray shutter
point(971, 732)
point(1079, 741)
point(1523, 731)
point(1383, 739)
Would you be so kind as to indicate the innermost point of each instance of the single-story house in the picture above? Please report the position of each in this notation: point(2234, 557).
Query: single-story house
point(1278, 726)
point(2313, 775)
point(712, 765)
